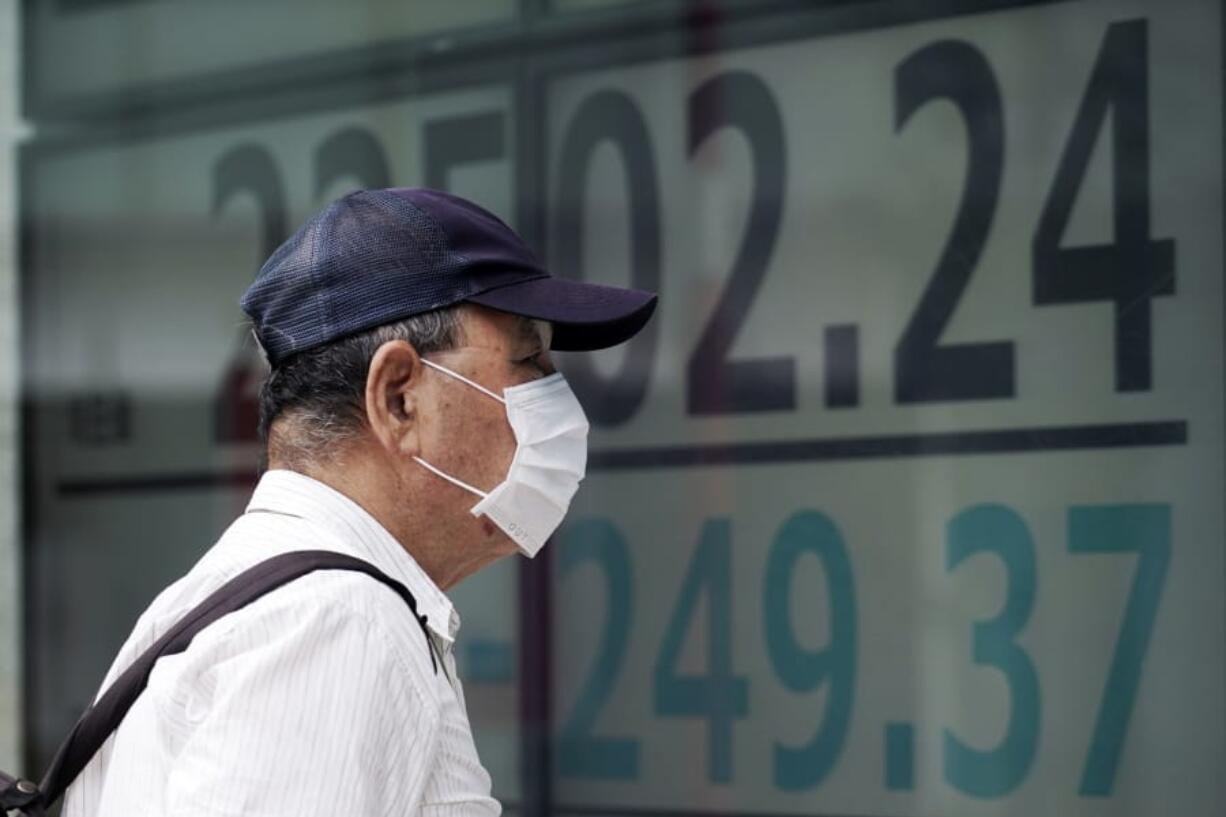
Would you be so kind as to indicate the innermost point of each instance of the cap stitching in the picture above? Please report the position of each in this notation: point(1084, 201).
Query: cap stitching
point(322, 303)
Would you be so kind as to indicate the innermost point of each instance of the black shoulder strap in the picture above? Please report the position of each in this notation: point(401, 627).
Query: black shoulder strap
point(101, 719)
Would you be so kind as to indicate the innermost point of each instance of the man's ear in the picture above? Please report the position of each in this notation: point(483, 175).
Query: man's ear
point(392, 397)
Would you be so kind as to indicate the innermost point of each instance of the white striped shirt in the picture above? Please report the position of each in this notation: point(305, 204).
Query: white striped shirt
point(318, 699)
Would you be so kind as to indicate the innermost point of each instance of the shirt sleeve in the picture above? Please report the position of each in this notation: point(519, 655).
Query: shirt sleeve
point(309, 711)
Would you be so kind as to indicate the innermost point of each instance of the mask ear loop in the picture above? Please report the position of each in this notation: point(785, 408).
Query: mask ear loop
point(458, 482)
point(451, 479)
point(462, 379)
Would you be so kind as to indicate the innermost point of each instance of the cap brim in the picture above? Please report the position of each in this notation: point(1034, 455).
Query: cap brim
point(584, 316)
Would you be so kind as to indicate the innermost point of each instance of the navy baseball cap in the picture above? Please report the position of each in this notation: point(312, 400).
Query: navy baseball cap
point(377, 256)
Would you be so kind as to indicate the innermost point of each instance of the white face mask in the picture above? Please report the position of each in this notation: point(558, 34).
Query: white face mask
point(550, 457)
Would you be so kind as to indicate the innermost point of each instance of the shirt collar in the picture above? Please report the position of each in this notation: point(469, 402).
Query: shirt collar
point(283, 491)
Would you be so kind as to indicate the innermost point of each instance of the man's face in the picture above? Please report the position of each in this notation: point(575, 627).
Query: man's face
point(463, 431)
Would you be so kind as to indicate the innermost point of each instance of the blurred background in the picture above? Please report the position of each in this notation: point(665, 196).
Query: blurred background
point(908, 502)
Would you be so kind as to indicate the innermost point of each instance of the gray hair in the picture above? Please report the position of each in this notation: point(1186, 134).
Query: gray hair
point(320, 394)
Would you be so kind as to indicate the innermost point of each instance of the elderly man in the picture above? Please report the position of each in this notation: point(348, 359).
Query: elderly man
point(413, 419)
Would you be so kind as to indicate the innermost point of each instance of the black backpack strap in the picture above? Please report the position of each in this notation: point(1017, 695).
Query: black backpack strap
point(101, 719)
point(16, 793)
